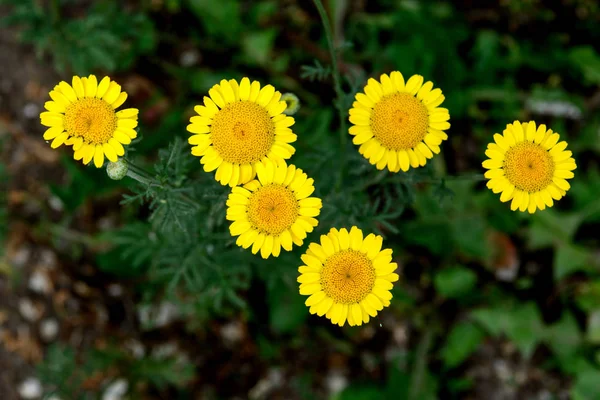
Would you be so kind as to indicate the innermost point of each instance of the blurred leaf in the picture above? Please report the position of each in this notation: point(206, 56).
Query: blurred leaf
point(464, 339)
point(586, 386)
point(258, 46)
point(360, 392)
point(564, 337)
point(287, 310)
point(593, 327)
point(588, 295)
point(587, 61)
point(222, 22)
point(561, 226)
point(570, 258)
point(522, 325)
point(525, 328)
point(454, 282)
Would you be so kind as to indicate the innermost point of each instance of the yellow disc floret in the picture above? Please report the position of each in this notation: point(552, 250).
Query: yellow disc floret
point(400, 121)
point(348, 277)
point(92, 119)
point(272, 209)
point(528, 166)
point(242, 132)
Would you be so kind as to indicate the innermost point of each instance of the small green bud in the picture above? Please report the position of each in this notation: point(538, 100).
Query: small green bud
point(292, 101)
point(117, 170)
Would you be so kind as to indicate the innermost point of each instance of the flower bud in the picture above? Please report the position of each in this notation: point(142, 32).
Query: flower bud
point(117, 170)
point(292, 101)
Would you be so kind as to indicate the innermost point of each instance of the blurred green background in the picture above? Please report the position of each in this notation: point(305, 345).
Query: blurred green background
point(111, 289)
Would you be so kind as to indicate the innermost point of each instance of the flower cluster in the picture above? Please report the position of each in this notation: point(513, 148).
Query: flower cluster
point(243, 133)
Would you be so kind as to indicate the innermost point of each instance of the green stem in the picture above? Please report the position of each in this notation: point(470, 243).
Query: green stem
point(420, 366)
point(338, 88)
point(139, 174)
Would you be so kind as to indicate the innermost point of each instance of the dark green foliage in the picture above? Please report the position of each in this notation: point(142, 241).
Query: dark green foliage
point(104, 37)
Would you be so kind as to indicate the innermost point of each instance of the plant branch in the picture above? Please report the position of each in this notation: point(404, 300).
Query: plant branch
point(139, 174)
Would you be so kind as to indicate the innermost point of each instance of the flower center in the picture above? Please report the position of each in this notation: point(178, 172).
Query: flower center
point(272, 209)
point(399, 121)
point(348, 277)
point(93, 119)
point(242, 132)
point(529, 167)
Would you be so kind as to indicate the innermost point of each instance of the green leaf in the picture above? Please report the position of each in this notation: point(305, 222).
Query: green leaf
point(258, 46)
point(588, 295)
point(455, 282)
point(362, 392)
point(223, 21)
point(564, 336)
point(586, 386)
point(587, 61)
point(493, 320)
point(463, 340)
point(525, 328)
point(287, 309)
point(522, 325)
point(568, 259)
point(593, 328)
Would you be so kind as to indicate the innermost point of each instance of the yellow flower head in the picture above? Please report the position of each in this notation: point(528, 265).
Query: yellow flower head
point(399, 124)
point(273, 211)
point(347, 277)
point(84, 115)
point(528, 166)
point(293, 103)
point(238, 127)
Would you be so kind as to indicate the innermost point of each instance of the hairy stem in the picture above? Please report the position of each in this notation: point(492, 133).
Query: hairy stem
point(337, 86)
point(139, 174)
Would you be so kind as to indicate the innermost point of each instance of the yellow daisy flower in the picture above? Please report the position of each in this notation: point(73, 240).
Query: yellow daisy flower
point(528, 166)
point(399, 124)
point(274, 211)
point(84, 115)
point(347, 277)
point(238, 127)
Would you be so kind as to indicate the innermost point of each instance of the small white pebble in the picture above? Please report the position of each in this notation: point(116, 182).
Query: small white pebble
point(28, 310)
point(31, 110)
point(30, 388)
point(189, 58)
point(116, 390)
point(21, 256)
point(55, 203)
point(48, 258)
point(49, 329)
point(115, 290)
point(39, 282)
point(336, 382)
point(232, 332)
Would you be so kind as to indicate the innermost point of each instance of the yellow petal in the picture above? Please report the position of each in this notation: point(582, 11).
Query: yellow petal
point(103, 87)
point(99, 156)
